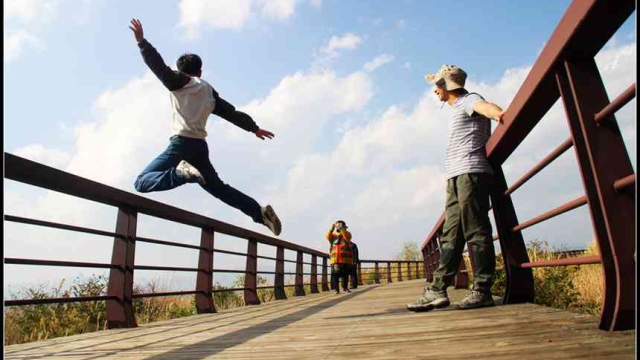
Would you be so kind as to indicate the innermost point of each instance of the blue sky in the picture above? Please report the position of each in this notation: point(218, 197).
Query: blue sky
point(93, 51)
point(339, 82)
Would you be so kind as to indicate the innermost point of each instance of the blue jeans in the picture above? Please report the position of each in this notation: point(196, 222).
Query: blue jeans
point(161, 175)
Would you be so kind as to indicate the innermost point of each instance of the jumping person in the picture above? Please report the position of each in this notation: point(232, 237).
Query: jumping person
point(186, 160)
point(469, 177)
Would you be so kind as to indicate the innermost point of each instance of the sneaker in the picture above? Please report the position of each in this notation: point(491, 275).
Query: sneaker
point(475, 299)
point(347, 290)
point(337, 292)
point(431, 299)
point(189, 173)
point(271, 220)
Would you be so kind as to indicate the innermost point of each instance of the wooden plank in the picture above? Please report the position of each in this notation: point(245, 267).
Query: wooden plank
point(370, 323)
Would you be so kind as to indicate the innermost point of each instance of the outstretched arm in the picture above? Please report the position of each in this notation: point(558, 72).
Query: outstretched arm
point(242, 120)
point(172, 80)
point(489, 110)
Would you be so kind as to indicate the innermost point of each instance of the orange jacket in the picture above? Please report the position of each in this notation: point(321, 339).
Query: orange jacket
point(341, 252)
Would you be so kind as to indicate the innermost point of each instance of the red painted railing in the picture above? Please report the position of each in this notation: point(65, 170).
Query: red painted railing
point(566, 69)
point(119, 297)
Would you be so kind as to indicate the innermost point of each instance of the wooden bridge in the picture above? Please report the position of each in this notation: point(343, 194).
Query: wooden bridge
point(372, 322)
point(369, 323)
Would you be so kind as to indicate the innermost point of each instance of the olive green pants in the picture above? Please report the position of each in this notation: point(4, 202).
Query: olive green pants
point(467, 221)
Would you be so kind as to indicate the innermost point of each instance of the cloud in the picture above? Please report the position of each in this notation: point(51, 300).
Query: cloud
point(28, 11)
point(15, 44)
point(37, 16)
point(407, 65)
point(38, 153)
point(348, 41)
point(231, 14)
point(331, 50)
point(401, 24)
point(377, 62)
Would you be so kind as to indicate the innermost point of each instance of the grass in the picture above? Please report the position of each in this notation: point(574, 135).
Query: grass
point(573, 288)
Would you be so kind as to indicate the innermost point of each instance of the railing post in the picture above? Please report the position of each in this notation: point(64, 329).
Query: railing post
point(314, 274)
point(603, 159)
point(461, 280)
point(399, 271)
point(376, 278)
point(251, 275)
point(428, 259)
point(425, 262)
point(514, 252)
point(279, 278)
point(204, 280)
point(471, 262)
point(389, 280)
point(409, 274)
point(299, 276)
point(325, 285)
point(360, 283)
point(120, 312)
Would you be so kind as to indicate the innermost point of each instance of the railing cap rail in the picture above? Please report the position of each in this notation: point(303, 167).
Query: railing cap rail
point(36, 174)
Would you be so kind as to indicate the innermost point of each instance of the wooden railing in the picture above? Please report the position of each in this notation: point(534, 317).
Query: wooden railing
point(566, 69)
point(120, 294)
point(388, 271)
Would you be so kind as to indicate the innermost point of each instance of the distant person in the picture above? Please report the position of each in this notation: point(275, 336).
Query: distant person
point(353, 274)
point(341, 255)
point(186, 160)
point(469, 177)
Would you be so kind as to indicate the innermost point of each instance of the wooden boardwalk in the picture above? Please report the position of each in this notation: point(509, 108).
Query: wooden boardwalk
point(370, 323)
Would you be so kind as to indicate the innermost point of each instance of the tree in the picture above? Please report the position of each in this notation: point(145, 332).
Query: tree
point(409, 252)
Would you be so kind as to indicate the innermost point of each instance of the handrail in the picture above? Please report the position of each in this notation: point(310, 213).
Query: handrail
point(33, 173)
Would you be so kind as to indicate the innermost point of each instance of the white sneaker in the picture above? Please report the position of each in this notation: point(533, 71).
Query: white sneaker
point(271, 220)
point(189, 173)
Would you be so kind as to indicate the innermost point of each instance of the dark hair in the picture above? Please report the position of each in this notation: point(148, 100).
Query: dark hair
point(459, 91)
point(344, 224)
point(190, 64)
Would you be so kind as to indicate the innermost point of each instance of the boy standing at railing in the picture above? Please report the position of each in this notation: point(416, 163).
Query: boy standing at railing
point(469, 177)
point(186, 160)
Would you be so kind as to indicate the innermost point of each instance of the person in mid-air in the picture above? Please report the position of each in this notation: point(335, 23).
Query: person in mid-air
point(186, 160)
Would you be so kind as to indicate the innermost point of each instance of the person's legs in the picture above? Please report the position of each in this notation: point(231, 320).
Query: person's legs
point(214, 186)
point(473, 195)
point(451, 246)
point(345, 277)
point(335, 273)
point(161, 173)
point(451, 241)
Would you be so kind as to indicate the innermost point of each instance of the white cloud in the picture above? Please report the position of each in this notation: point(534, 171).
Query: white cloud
point(15, 43)
point(401, 24)
point(316, 3)
point(38, 153)
point(348, 41)
point(331, 50)
point(37, 16)
point(377, 62)
point(377, 22)
point(29, 10)
point(230, 14)
point(407, 65)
